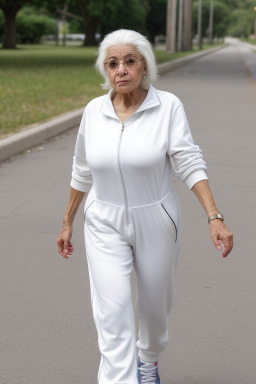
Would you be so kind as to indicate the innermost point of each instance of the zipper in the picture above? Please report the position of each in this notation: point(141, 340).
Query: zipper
point(172, 222)
point(121, 174)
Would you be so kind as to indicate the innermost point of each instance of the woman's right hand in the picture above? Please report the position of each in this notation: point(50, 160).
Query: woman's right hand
point(65, 247)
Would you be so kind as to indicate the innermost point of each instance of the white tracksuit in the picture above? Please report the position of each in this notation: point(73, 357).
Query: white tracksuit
point(132, 217)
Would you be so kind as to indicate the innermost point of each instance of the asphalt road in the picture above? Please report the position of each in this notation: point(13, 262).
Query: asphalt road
point(47, 334)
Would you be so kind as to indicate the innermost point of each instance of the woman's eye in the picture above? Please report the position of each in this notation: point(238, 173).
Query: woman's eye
point(112, 64)
point(130, 61)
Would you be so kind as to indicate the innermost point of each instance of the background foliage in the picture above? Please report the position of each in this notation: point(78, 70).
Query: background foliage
point(36, 18)
point(231, 17)
point(31, 25)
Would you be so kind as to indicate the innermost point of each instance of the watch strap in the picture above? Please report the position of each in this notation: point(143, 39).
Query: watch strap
point(216, 216)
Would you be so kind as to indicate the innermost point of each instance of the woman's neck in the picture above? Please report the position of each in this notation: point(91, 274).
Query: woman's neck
point(129, 100)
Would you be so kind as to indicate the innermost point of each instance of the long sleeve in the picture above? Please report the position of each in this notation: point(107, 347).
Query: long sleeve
point(189, 164)
point(81, 174)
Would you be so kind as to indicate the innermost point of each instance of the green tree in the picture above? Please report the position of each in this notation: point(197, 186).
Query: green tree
point(121, 14)
point(98, 15)
point(234, 17)
point(241, 19)
point(108, 15)
point(75, 26)
point(241, 23)
point(156, 18)
point(32, 25)
point(232, 4)
point(91, 11)
point(10, 9)
point(221, 18)
point(248, 4)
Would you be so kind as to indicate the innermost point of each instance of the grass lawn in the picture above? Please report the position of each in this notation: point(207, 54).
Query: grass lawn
point(39, 82)
point(251, 41)
point(42, 81)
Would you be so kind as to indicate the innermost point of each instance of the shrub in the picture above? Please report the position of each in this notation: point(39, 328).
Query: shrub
point(31, 27)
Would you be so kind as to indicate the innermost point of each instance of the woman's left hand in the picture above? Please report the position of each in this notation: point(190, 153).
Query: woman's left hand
point(219, 231)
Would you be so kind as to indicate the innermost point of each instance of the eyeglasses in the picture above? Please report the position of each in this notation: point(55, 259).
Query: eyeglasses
point(112, 64)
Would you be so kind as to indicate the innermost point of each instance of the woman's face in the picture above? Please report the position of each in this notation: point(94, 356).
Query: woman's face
point(125, 79)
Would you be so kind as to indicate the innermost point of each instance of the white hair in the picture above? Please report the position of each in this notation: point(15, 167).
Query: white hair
point(142, 45)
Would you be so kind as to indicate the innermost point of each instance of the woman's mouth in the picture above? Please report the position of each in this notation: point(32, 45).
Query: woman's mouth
point(121, 82)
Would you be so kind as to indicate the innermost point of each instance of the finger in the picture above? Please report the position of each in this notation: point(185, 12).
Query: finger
point(216, 242)
point(70, 251)
point(70, 248)
point(61, 252)
point(60, 243)
point(66, 245)
point(228, 245)
point(226, 251)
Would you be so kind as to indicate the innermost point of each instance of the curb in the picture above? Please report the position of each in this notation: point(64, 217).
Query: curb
point(173, 64)
point(31, 137)
point(20, 142)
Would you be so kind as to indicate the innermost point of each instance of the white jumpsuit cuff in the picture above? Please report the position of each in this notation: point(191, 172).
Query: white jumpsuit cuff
point(195, 177)
point(80, 186)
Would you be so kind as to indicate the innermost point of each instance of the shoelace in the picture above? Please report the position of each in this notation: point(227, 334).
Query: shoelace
point(148, 374)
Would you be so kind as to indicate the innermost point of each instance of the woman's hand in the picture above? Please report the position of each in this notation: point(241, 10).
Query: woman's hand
point(220, 232)
point(65, 247)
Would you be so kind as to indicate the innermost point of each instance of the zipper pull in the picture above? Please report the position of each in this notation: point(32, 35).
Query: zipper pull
point(122, 127)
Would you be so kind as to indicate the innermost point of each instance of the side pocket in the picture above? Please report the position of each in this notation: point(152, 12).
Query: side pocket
point(171, 219)
point(86, 209)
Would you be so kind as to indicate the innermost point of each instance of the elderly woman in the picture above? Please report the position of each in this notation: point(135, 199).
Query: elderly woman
point(132, 214)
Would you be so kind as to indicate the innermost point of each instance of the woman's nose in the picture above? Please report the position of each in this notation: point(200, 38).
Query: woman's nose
point(121, 69)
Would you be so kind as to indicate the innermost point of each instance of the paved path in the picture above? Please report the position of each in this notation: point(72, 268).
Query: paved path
point(47, 333)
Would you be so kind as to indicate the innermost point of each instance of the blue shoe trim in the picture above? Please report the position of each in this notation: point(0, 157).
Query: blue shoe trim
point(139, 376)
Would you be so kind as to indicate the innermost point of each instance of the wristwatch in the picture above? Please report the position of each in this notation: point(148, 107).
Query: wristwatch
point(216, 216)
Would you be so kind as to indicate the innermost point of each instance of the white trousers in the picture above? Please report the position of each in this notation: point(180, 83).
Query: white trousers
point(116, 238)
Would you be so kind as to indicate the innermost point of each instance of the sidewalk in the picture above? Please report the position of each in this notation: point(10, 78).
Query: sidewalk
point(251, 46)
point(33, 136)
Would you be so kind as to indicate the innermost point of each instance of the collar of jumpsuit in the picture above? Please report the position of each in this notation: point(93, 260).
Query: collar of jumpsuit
point(151, 101)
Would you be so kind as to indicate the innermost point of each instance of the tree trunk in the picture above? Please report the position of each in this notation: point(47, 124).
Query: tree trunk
point(10, 9)
point(180, 25)
point(187, 35)
point(9, 37)
point(90, 24)
point(171, 26)
point(90, 30)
